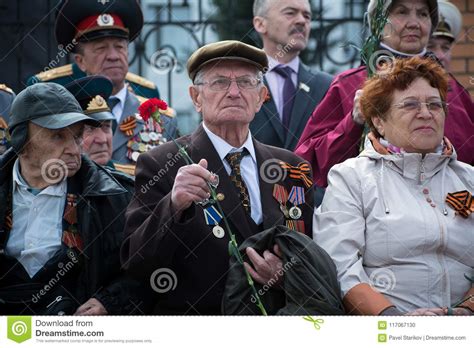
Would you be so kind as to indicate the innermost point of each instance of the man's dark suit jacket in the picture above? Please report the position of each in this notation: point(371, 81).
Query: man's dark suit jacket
point(267, 127)
point(156, 240)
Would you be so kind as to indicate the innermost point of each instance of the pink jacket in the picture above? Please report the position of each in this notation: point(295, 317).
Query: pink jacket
point(331, 136)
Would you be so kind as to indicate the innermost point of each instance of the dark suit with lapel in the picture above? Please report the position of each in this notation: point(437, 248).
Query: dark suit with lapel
point(156, 240)
point(120, 139)
point(267, 127)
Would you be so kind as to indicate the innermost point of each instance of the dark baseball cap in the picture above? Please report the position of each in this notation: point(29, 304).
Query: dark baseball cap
point(48, 105)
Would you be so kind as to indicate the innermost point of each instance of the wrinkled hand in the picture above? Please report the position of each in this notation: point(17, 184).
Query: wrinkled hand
point(267, 270)
point(91, 307)
point(356, 114)
point(427, 311)
point(190, 186)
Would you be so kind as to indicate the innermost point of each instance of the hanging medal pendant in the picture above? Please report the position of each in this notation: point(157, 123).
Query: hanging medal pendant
point(296, 197)
point(285, 212)
point(281, 195)
point(295, 213)
point(218, 232)
point(213, 217)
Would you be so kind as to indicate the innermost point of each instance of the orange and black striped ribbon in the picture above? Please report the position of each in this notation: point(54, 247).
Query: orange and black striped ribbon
point(128, 125)
point(462, 202)
point(300, 172)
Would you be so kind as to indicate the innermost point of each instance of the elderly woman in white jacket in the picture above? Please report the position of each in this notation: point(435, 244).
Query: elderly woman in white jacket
point(397, 219)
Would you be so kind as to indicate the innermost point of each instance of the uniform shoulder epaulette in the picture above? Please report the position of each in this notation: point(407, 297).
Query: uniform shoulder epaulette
point(5, 88)
point(140, 80)
point(170, 112)
point(61, 71)
point(3, 124)
point(139, 97)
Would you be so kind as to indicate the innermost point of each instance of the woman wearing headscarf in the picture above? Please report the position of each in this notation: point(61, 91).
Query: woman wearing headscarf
point(397, 220)
point(334, 131)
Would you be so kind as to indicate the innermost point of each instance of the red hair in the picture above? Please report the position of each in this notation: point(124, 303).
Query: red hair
point(377, 92)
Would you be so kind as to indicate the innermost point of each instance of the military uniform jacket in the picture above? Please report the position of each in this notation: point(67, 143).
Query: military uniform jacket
point(267, 126)
point(187, 249)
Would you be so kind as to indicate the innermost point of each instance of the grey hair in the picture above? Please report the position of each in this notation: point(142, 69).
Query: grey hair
point(260, 7)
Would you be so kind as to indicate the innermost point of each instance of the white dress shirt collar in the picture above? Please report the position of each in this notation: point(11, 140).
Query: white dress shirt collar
point(223, 148)
point(118, 109)
point(294, 64)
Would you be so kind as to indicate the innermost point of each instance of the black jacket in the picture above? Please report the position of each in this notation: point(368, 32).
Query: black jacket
point(101, 205)
point(310, 285)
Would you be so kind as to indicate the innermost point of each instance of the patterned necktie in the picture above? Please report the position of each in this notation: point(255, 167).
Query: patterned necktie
point(234, 159)
point(289, 91)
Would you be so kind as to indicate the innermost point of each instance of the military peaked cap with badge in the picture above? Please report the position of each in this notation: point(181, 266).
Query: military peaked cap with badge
point(80, 22)
point(92, 93)
point(450, 21)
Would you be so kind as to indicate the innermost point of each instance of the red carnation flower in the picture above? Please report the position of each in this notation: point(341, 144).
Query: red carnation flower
point(150, 107)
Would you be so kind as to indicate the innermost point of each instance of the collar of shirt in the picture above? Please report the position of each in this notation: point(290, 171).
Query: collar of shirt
point(294, 64)
point(223, 147)
point(121, 96)
point(20, 184)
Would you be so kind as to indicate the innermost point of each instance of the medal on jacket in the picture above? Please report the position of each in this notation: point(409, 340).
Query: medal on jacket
point(297, 225)
point(149, 136)
point(213, 217)
point(71, 237)
point(296, 198)
point(281, 195)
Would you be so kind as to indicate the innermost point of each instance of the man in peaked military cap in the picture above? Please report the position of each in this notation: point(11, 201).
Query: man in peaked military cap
point(100, 33)
point(61, 215)
point(170, 221)
point(446, 33)
point(92, 93)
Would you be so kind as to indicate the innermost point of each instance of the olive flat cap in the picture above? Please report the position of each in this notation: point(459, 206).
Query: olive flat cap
point(226, 50)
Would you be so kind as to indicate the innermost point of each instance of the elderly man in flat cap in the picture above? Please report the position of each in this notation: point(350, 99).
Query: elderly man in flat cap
point(61, 215)
point(172, 231)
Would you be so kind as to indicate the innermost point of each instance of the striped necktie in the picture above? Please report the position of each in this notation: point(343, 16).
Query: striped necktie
point(234, 159)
